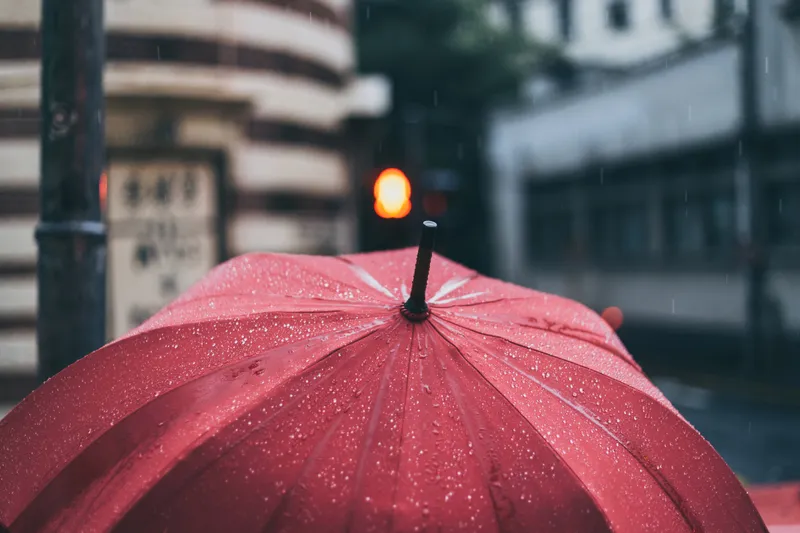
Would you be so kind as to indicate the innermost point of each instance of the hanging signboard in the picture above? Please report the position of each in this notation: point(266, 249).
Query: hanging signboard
point(162, 222)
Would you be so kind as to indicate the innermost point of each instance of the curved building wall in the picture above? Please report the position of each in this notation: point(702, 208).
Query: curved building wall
point(264, 85)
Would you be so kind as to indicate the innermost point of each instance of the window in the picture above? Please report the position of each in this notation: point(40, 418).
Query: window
point(721, 232)
point(700, 225)
point(549, 227)
point(565, 19)
point(783, 213)
point(666, 10)
point(550, 237)
point(619, 15)
point(620, 232)
point(723, 13)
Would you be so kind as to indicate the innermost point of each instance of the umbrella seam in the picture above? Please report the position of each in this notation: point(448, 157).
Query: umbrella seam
point(180, 304)
point(443, 319)
point(352, 265)
point(136, 333)
point(370, 433)
point(205, 375)
point(288, 404)
point(470, 432)
point(402, 431)
point(606, 347)
point(669, 490)
point(503, 398)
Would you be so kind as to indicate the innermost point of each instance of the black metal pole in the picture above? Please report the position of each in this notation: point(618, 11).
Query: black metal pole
point(71, 234)
point(749, 192)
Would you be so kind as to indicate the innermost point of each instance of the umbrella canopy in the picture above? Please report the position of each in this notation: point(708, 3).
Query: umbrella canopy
point(299, 393)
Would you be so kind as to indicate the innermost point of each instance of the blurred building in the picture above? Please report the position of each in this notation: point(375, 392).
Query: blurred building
point(610, 34)
point(622, 189)
point(231, 127)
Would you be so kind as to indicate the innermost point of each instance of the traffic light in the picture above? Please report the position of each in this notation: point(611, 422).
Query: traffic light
point(103, 192)
point(392, 194)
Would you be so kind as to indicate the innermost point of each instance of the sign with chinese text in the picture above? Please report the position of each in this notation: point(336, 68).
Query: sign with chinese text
point(162, 221)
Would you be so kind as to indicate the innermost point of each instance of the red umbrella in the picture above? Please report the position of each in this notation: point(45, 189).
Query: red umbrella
point(299, 393)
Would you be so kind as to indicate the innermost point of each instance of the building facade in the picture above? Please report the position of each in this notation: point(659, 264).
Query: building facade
point(627, 192)
point(612, 34)
point(227, 126)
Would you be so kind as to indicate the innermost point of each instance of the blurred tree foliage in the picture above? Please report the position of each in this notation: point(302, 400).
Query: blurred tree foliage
point(449, 63)
point(443, 50)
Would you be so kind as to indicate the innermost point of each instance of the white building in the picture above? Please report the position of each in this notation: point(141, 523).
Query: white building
point(612, 33)
point(624, 192)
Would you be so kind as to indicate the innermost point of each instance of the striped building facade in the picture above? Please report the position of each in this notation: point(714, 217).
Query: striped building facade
point(262, 90)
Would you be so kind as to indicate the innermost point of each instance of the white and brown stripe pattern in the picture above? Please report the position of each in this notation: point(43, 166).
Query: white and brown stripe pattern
point(265, 82)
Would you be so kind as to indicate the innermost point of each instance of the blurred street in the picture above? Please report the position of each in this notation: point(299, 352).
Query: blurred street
point(759, 441)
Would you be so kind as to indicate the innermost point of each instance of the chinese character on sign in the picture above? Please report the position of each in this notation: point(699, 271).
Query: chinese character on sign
point(163, 190)
point(133, 191)
point(169, 286)
point(189, 187)
point(144, 255)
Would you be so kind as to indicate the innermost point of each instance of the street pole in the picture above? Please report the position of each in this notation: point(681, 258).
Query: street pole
point(71, 234)
point(749, 193)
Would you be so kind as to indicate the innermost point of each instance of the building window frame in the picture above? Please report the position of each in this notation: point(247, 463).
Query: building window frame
point(564, 19)
point(618, 15)
point(667, 10)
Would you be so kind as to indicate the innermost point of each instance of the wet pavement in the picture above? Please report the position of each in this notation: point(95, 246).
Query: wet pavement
point(761, 443)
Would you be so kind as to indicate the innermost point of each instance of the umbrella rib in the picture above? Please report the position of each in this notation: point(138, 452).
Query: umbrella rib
point(372, 428)
point(450, 305)
point(468, 328)
point(182, 303)
point(205, 436)
point(402, 432)
point(528, 423)
point(361, 270)
point(133, 334)
point(476, 439)
point(279, 509)
point(605, 347)
point(589, 415)
point(317, 447)
point(340, 280)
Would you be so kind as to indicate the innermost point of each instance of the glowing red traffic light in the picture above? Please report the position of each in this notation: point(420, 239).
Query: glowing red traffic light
point(392, 194)
point(103, 191)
